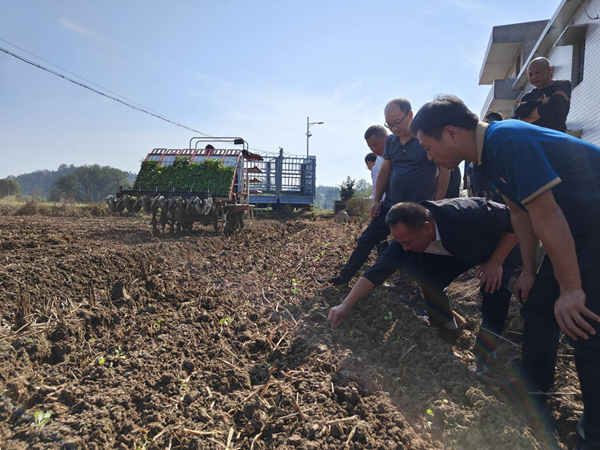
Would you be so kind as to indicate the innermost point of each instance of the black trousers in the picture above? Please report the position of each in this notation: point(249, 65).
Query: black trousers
point(374, 235)
point(541, 332)
point(434, 273)
point(495, 310)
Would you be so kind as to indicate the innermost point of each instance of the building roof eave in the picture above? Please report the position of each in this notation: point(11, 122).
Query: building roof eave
point(549, 36)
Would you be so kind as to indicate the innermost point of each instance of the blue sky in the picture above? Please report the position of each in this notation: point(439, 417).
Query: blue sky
point(233, 68)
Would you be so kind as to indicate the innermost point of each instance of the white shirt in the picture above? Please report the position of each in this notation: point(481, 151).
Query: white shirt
point(436, 246)
point(374, 173)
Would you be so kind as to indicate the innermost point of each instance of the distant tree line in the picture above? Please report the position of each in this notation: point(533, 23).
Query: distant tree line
point(82, 184)
point(89, 184)
point(9, 187)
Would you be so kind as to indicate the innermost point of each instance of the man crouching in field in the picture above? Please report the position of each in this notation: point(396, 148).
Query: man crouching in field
point(435, 242)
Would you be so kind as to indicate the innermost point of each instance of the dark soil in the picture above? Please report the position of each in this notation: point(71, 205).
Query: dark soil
point(200, 341)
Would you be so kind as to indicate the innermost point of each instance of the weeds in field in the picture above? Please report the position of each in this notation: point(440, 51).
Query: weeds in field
point(41, 418)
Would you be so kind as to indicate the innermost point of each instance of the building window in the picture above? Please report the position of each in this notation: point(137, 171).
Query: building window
point(578, 63)
point(518, 65)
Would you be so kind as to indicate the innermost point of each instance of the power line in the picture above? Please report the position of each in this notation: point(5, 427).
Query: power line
point(126, 103)
point(405, 94)
point(78, 76)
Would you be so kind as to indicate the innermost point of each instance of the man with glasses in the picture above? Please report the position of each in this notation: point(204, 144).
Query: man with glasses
point(406, 175)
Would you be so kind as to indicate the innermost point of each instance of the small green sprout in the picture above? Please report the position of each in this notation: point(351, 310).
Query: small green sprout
point(398, 341)
point(119, 354)
point(388, 316)
point(158, 323)
point(430, 412)
point(351, 333)
point(101, 360)
point(225, 320)
point(295, 284)
point(41, 418)
point(92, 340)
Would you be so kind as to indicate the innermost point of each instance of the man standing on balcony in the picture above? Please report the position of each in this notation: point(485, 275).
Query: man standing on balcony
point(547, 105)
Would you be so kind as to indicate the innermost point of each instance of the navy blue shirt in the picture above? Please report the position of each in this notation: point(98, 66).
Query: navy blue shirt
point(524, 161)
point(412, 178)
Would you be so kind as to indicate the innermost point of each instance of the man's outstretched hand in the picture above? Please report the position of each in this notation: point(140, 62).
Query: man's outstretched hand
point(569, 310)
point(337, 314)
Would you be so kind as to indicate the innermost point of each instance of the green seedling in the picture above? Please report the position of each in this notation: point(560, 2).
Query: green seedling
point(101, 360)
point(351, 333)
point(295, 284)
point(119, 354)
point(359, 359)
point(326, 244)
point(184, 385)
point(41, 418)
point(430, 412)
point(398, 341)
point(225, 320)
point(388, 316)
point(92, 340)
point(159, 323)
point(142, 443)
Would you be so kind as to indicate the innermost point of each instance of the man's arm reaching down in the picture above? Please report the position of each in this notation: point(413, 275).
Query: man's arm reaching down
point(361, 289)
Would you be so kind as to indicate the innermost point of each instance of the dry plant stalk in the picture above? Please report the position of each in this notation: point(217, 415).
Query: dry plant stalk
point(91, 293)
point(23, 307)
point(143, 269)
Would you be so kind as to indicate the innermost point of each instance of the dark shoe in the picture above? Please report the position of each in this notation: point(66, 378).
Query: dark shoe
point(450, 335)
point(335, 281)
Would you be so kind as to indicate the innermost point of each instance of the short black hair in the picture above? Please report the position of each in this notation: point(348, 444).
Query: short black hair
point(401, 103)
point(444, 111)
point(375, 130)
point(209, 147)
point(411, 215)
point(494, 116)
point(371, 157)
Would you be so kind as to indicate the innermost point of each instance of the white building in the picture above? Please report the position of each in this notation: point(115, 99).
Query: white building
point(571, 41)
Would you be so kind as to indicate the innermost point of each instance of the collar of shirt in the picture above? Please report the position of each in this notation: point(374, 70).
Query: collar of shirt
point(436, 247)
point(406, 144)
point(479, 139)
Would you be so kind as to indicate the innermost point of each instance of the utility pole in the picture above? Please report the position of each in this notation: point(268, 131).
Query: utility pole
point(308, 133)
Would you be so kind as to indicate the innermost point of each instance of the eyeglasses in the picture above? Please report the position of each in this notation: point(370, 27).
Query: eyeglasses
point(392, 126)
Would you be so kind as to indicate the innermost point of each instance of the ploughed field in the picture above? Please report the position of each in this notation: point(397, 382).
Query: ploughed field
point(200, 341)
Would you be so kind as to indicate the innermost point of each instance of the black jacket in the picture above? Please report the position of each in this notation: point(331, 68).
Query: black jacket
point(470, 228)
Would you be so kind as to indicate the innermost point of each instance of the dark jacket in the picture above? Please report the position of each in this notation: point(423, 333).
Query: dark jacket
point(470, 228)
